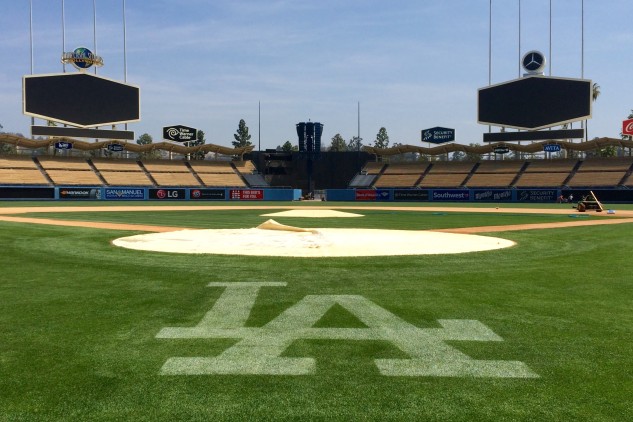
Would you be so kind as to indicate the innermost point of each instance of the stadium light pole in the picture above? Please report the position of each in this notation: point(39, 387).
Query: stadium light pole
point(94, 28)
point(519, 60)
point(63, 35)
point(31, 44)
point(550, 37)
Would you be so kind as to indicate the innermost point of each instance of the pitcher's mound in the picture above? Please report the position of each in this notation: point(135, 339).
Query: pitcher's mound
point(273, 239)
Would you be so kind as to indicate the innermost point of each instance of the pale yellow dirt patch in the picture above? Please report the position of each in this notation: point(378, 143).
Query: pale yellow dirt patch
point(313, 213)
point(320, 242)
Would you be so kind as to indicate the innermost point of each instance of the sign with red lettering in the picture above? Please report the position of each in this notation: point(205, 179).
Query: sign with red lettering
point(365, 195)
point(627, 127)
point(247, 194)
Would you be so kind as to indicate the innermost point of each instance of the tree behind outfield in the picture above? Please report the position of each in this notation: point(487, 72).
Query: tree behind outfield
point(199, 141)
point(382, 139)
point(338, 143)
point(288, 147)
point(242, 137)
point(146, 139)
point(355, 144)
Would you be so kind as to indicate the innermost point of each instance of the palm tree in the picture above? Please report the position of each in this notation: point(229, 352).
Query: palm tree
point(595, 91)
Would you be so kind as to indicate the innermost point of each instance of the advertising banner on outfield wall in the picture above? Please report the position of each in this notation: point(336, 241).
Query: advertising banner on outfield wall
point(247, 194)
point(208, 194)
point(27, 193)
point(167, 194)
point(372, 195)
point(492, 195)
point(124, 194)
point(410, 195)
point(537, 195)
point(79, 193)
point(451, 195)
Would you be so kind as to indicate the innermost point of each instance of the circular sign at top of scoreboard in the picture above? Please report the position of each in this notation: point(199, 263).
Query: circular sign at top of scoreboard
point(82, 58)
point(533, 62)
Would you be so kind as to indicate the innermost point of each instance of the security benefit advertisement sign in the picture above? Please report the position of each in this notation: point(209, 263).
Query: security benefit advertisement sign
point(537, 195)
point(247, 194)
point(167, 194)
point(208, 194)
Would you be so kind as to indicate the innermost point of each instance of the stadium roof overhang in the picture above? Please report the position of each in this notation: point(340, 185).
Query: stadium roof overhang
point(594, 144)
point(128, 146)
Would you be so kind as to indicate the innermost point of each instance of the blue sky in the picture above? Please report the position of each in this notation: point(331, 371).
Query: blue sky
point(410, 64)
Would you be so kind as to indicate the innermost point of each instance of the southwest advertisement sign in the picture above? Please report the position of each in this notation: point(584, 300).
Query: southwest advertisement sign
point(121, 194)
point(492, 195)
point(537, 195)
point(208, 194)
point(410, 195)
point(167, 194)
point(247, 194)
point(451, 195)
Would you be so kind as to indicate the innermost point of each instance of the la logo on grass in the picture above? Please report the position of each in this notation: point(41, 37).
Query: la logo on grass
point(259, 350)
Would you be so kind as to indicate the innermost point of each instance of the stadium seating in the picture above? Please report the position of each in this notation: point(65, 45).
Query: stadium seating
point(546, 173)
point(69, 171)
point(219, 173)
point(498, 173)
point(447, 174)
point(121, 172)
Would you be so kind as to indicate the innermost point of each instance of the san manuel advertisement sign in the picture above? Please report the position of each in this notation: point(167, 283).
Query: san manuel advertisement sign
point(438, 135)
point(493, 195)
point(121, 193)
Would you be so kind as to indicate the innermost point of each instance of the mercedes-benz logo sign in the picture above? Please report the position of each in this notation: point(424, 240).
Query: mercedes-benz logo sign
point(533, 61)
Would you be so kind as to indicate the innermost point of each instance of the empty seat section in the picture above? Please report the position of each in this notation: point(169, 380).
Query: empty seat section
point(171, 173)
point(69, 171)
point(596, 178)
point(495, 173)
point(121, 172)
point(22, 176)
point(447, 174)
point(397, 180)
point(218, 173)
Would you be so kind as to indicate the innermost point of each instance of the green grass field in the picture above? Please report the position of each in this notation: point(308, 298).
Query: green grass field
point(83, 325)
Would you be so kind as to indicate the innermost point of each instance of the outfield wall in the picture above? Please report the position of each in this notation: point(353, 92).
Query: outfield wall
point(143, 194)
point(349, 195)
point(536, 195)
